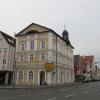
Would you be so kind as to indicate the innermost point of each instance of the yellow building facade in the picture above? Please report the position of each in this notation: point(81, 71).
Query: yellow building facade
point(42, 56)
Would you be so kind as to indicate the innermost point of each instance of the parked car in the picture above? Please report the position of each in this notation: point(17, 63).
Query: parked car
point(87, 77)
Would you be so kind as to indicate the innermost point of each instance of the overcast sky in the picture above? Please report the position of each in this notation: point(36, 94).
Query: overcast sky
point(81, 17)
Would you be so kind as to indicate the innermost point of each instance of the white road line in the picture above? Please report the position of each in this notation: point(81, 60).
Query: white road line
point(95, 90)
point(86, 92)
point(71, 95)
point(52, 99)
point(6, 98)
point(22, 95)
point(62, 89)
point(41, 93)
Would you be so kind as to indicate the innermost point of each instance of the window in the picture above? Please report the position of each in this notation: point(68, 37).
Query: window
point(42, 44)
point(43, 56)
point(21, 58)
point(31, 57)
point(32, 44)
point(4, 61)
point(20, 76)
point(30, 75)
point(22, 47)
point(5, 50)
point(0, 50)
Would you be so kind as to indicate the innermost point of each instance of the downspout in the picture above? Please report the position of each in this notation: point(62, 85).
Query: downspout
point(56, 63)
point(14, 65)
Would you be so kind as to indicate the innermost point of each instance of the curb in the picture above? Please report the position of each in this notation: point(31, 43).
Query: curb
point(41, 87)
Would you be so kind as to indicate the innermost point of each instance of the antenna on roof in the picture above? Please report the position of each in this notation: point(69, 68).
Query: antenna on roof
point(64, 27)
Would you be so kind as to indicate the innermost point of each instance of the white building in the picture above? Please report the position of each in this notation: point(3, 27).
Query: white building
point(7, 47)
point(43, 56)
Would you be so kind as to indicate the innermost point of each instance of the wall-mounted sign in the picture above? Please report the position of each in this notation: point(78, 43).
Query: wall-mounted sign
point(49, 67)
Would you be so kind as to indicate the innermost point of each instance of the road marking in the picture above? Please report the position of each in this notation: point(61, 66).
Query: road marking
point(86, 92)
point(71, 95)
point(62, 89)
point(6, 98)
point(52, 99)
point(95, 90)
point(41, 93)
point(22, 95)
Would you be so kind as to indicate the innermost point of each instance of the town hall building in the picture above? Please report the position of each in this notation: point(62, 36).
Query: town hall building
point(43, 57)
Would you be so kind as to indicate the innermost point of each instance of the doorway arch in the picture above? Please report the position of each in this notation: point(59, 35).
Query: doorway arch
point(42, 77)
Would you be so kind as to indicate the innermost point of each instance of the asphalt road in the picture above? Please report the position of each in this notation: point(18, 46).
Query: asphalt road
point(86, 91)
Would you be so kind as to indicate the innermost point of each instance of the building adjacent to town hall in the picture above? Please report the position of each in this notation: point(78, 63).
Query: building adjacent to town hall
point(43, 56)
point(7, 47)
point(85, 68)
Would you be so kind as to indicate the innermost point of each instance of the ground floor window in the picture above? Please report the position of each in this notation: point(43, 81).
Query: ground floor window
point(20, 76)
point(30, 75)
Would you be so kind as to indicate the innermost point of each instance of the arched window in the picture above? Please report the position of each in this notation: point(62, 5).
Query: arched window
point(30, 75)
point(20, 77)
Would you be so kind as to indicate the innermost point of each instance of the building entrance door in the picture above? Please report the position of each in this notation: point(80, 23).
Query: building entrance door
point(42, 77)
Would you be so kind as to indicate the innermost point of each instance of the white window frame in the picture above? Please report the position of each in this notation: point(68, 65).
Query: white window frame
point(0, 50)
point(22, 47)
point(32, 77)
point(5, 50)
point(42, 44)
point(41, 56)
point(32, 45)
point(31, 58)
point(21, 59)
point(22, 75)
point(4, 61)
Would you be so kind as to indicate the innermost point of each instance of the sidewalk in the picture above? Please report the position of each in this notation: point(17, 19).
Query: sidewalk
point(39, 87)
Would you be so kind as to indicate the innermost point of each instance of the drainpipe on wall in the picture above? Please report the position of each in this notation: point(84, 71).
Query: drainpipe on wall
point(56, 63)
point(14, 65)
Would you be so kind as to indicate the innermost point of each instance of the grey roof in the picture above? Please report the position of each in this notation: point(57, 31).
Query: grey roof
point(49, 30)
point(10, 40)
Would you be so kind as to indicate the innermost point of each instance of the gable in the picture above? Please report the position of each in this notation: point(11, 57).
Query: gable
point(2, 41)
point(33, 28)
point(10, 40)
point(36, 28)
